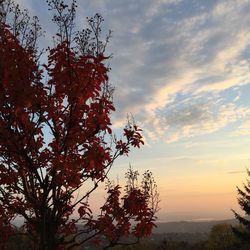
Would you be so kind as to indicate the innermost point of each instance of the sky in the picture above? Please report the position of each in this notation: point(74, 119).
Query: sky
point(181, 67)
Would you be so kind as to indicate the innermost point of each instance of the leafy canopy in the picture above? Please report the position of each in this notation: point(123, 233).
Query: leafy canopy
point(44, 178)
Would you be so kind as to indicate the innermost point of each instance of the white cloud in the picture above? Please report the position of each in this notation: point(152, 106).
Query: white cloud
point(244, 128)
point(201, 53)
point(194, 116)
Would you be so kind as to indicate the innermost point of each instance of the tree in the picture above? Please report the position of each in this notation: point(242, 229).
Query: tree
point(56, 137)
point(222, 237)
point(244, 202)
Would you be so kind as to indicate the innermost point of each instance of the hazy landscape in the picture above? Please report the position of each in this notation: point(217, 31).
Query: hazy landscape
point(181, 235)
point(190, 227)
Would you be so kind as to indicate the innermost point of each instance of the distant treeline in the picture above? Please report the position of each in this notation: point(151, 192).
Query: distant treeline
point(220, 237)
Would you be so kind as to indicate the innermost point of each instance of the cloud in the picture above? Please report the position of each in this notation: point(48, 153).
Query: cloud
point(164, 49)
point(193, 116)
point(198, 52)
point(244, 128)
point(236, 172)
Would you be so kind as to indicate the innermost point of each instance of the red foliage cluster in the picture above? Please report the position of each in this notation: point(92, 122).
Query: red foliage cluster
point(40, 174)
point(124, 218)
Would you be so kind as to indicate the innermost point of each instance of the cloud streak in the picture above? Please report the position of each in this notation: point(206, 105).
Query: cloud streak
point(236, 172)
point(195, 115)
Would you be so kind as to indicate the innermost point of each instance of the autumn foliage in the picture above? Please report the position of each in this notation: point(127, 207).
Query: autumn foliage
point(56, 137)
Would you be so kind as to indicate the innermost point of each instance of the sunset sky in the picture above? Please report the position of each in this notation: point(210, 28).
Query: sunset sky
point(181, 67)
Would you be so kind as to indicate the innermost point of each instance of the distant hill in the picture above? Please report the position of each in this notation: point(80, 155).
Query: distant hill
point(189, 226)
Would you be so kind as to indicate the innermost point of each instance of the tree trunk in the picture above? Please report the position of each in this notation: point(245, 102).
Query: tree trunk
point(48, 234)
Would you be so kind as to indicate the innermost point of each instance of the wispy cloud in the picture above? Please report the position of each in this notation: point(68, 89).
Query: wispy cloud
point(195, 115)
point(236, 172)
point(193, 53)
point(244, 128)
